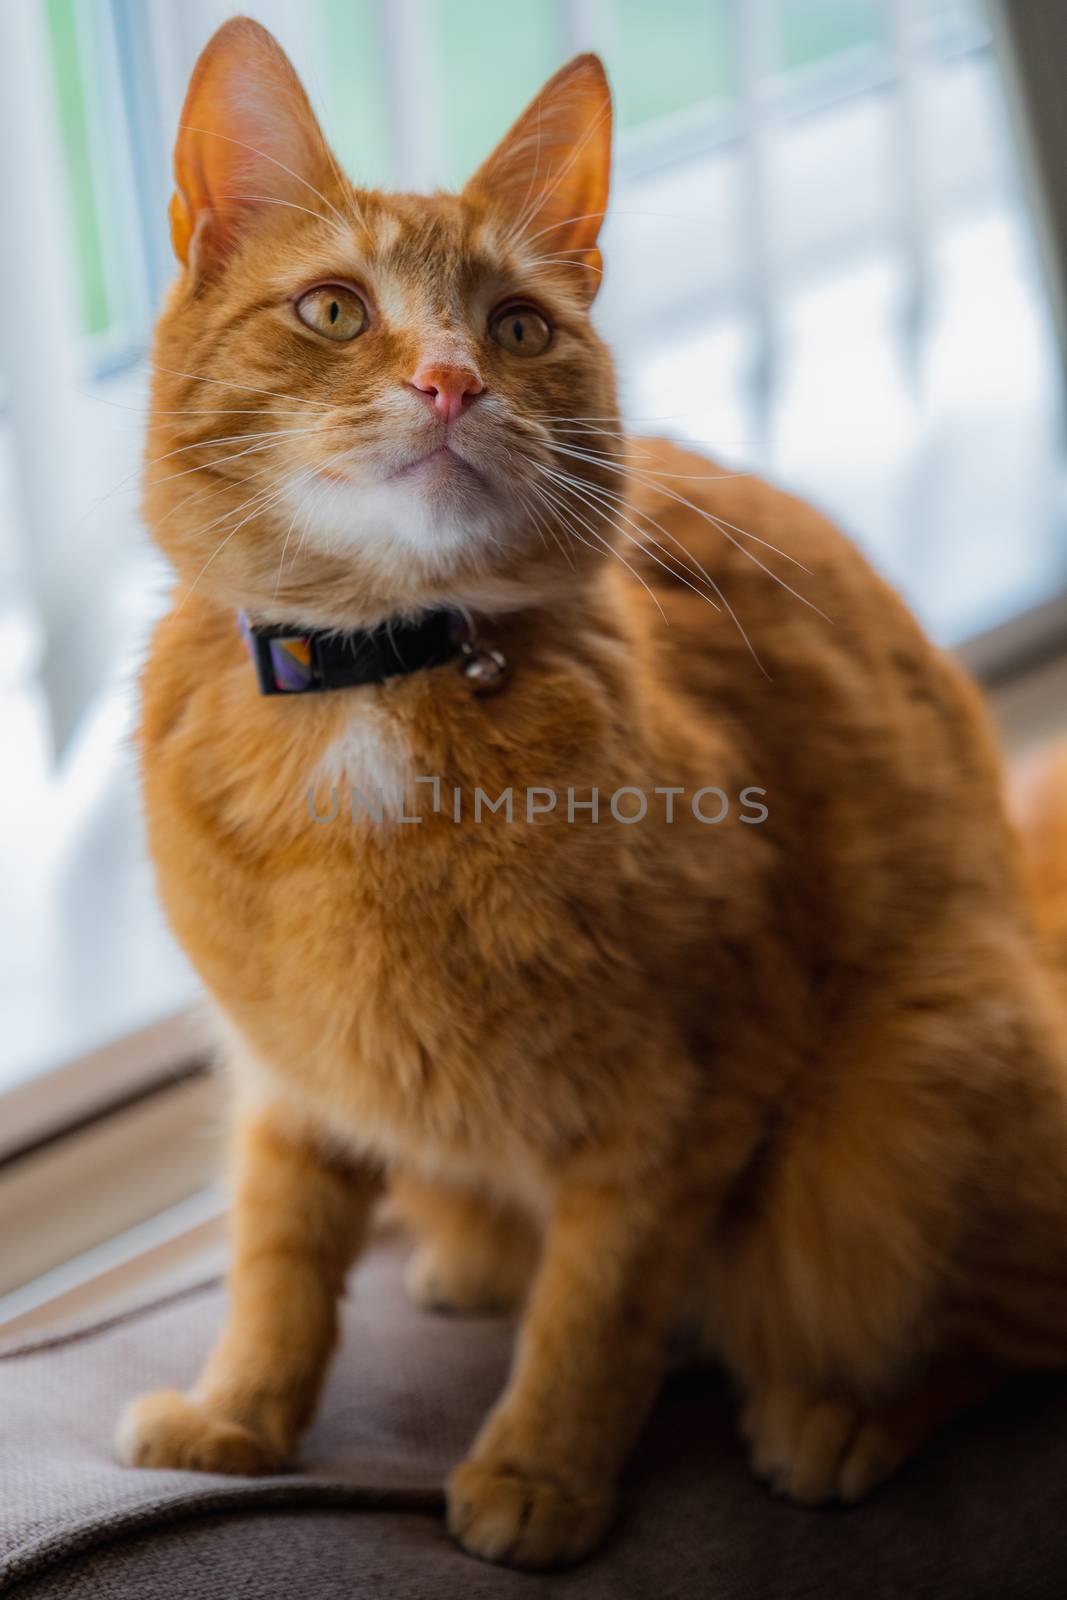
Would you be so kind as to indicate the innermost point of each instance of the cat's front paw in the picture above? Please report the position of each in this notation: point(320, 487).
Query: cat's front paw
point(167, 1429)
point(817, 1450)
point(503, 1513)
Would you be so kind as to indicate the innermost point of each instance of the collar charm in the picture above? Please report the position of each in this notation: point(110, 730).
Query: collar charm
point(484, 667)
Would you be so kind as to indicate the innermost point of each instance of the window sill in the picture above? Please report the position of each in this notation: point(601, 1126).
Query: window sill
point(74, 1195)
point(182, 1246)
point(99, 1083)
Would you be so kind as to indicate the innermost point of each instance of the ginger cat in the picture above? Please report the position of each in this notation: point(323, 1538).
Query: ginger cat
point(797, 1079)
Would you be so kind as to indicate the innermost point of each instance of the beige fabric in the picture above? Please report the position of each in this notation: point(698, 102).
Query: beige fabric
point(981, 1516)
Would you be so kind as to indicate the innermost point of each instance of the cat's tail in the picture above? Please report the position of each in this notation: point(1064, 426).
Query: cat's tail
point(1039, 791)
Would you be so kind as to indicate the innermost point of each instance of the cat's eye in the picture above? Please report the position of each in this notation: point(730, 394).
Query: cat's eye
point(332, 310)
point(521, 329)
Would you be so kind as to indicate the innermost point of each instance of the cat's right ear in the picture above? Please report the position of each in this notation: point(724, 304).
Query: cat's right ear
point(248, 139)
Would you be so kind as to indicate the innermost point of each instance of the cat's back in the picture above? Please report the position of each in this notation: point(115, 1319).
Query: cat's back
point(790, 595)
point(797, 627)
point(872, 744)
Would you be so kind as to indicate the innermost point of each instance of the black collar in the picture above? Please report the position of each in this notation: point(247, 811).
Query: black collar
point(291, 659)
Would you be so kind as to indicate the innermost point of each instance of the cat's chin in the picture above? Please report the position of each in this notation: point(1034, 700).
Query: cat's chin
point(439, 513)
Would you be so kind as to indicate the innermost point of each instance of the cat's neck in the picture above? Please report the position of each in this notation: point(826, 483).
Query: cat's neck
point(569, 708)
point(283, 651)
point(573, 679)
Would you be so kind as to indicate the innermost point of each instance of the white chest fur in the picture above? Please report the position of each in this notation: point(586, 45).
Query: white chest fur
point(371, 755)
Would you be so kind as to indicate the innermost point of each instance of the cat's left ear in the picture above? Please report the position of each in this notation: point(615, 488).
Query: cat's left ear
point(549, 176)
point(248, 140)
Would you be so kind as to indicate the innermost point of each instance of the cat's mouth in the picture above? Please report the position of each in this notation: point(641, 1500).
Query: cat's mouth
point(441, 465)
point(439, 468)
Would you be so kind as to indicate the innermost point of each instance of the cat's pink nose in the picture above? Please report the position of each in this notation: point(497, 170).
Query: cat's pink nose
point(448, 389)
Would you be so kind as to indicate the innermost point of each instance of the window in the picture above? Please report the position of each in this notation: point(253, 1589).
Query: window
point(819, 266)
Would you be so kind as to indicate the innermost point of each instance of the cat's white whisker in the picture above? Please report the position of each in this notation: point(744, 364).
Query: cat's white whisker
point(650, 478)
point(208, 466)
point(213, 133)
point(613, 515)
point(732, 614)
point(538, 202)
point(606, 545)
point(257, 511)
point(285, 546)
point(212, 492)
point(614, 500)
point(212, 441)
point(540, 524)
point(716, 522)
point(565, 222)
point(561, 261)
point(259, 495)
point(275, 200)
point(249, 388)
point(137, 472)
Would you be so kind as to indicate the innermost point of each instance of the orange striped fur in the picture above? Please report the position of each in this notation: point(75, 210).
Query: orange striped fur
point(801, 1083)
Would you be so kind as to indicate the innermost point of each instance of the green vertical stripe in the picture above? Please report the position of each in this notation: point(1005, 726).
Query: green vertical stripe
point(670, 57)
point(353, 112)
point(74, 129)
point(494, 57)
point(812, 30)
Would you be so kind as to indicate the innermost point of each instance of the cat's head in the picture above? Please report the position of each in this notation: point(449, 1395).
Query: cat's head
point(366, 403)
